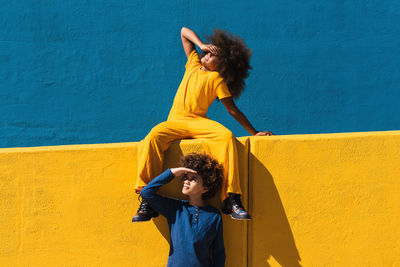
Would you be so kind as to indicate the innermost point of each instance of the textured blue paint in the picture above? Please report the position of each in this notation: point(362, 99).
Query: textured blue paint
point(76, 72)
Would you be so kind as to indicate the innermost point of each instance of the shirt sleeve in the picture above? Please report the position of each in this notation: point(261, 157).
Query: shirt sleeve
point(218, 246)
point(221, 89)
point(193, 60)
point(165, 206)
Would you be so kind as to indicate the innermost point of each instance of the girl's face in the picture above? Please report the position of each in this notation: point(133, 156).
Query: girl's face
point(210, 61)
point(192, 185)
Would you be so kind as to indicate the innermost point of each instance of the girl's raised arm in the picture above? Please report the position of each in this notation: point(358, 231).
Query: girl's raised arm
point(188, 46)
point(190, 38)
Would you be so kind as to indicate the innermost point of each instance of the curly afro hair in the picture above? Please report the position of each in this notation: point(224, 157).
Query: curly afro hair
point(208, 168)
point(234, 60)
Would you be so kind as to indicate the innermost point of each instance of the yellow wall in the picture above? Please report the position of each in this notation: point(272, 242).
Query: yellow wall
point(73, 205)
point(316, 200)
point(327, 200)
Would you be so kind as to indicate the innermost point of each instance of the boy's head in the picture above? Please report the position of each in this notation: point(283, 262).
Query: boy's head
point(232, 60)
point(208, 179)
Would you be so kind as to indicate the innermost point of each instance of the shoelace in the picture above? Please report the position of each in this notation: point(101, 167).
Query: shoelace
point(144, 206)
point(238, 202)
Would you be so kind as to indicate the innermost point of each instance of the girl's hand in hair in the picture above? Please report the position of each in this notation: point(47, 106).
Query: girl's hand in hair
point(210, 48)
point(181, 170)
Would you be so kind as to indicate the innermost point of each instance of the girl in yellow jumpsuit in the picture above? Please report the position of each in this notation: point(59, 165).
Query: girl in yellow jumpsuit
point(220, 73)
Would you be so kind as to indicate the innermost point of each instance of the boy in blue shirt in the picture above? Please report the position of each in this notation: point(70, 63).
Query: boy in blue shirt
point(195, 228)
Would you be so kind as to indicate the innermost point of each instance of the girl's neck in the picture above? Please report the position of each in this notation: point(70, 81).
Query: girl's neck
point(196, 201)
point(204, 68)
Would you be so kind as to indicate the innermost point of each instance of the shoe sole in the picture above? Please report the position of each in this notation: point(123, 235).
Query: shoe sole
point(134, 221)
point(240, 219)
point(140, 221)
point(229, 213)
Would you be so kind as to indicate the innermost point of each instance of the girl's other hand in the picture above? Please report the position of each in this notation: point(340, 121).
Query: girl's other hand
point(181, 170)
point(264, 133)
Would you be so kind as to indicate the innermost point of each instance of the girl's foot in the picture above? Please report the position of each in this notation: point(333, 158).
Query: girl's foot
point(233, 206)
point(145, 212)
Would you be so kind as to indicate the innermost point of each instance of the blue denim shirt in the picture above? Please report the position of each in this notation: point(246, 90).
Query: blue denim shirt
point(196, 232)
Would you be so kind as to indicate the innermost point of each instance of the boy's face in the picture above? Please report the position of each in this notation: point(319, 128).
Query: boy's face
point(192, 185)
point(210, 61)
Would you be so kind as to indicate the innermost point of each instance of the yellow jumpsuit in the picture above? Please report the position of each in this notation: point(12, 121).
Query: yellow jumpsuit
point(188, 119)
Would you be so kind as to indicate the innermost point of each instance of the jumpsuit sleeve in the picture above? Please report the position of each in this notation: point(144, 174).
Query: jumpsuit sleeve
point(220, 88)
point(218, 246)
point(193, 60)
point(165, 206)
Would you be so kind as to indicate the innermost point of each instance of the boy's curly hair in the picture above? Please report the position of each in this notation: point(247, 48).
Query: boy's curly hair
point(208, 168)
point(234, 60)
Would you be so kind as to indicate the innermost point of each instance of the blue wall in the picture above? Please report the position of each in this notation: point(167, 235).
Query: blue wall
point(75, 72)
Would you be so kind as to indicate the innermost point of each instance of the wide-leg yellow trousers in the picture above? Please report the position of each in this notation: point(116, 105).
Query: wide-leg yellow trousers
point(218, 140)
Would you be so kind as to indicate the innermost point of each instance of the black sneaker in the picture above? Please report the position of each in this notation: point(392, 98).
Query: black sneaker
point(233, 206)
point(145, 212)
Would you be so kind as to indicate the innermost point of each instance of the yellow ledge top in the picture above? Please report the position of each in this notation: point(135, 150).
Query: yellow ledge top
point(135, 144)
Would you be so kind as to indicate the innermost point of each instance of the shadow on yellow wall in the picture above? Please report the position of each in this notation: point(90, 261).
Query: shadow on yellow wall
point(269, 230)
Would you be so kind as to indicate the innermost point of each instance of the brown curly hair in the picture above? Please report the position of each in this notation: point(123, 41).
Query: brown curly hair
point(234, 60)
point(208, 168)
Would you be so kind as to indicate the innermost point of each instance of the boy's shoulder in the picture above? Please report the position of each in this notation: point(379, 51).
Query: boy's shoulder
point(212, 210)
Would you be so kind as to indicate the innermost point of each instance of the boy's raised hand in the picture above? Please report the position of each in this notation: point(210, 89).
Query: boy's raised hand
point(181, 170)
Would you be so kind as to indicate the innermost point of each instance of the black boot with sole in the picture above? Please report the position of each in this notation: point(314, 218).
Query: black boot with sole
point(233, 206)
point(145, 212)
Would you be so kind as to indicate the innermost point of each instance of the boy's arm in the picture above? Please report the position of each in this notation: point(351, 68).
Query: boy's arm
point(163, 205)
point(189, 39)
point(240, 117)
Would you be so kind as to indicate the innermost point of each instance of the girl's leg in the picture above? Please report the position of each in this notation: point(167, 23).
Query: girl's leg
point(221, 143)
point(150, 160)
point(152, 148)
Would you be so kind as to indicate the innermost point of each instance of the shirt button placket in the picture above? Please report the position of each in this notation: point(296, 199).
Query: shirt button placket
point(196, 216)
